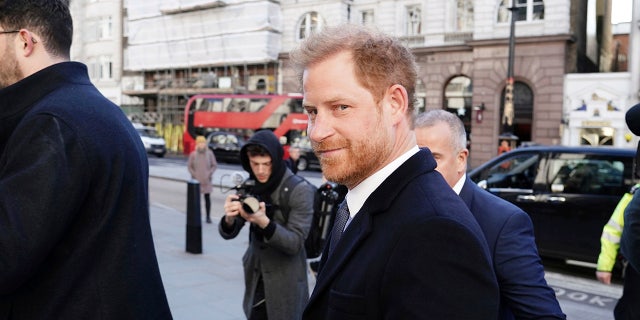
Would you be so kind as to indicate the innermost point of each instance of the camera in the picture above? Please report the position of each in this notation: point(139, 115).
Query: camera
point(250, 203)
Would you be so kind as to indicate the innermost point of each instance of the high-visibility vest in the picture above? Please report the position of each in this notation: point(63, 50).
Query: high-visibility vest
point(611, 233)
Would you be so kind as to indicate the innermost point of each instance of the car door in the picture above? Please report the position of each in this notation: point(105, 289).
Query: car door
point(510, 177)
point(578, 193)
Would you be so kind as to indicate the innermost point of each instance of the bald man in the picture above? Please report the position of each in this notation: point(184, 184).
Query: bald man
point(524, 293)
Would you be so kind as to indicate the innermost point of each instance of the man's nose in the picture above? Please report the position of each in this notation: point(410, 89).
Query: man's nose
point(320, 128)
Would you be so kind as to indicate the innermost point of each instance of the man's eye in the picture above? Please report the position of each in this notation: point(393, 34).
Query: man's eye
point(343, 107)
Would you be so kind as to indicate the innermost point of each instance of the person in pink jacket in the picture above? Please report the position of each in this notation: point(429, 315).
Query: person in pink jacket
point(202, 164)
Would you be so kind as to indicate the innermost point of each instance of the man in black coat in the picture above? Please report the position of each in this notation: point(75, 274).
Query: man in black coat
point(75, 238)
point(407, 247)
point(628, 307)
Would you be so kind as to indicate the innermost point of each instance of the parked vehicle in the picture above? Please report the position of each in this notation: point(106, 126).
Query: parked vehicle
point(225, 146)
point(204, 113)
point(569, 193)
point(308, 159)
point(152, 141)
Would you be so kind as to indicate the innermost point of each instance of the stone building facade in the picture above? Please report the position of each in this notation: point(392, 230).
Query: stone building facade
point(462, 49)
point(172, 50)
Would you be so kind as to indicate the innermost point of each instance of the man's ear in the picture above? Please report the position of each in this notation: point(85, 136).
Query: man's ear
point(28, 40)
point(462, 159)
point(399, 101)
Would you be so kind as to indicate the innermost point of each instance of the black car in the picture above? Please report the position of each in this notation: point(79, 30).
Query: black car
point(569, 193)
point(225, 146)
point(308, 160)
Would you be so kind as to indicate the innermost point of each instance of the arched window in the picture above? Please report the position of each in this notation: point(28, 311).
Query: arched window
point(309, 23)
point(525, 10)
point(457, 99)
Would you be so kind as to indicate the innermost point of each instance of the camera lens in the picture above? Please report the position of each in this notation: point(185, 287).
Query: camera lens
point(250, 204)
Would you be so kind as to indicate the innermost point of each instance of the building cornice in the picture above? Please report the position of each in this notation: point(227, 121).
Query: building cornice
point(522, 40)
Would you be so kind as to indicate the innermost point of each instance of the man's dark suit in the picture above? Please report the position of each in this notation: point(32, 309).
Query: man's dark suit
point(413, 251)
point(509, 232)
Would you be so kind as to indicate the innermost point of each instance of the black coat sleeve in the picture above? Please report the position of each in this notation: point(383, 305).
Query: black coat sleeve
point(630, 242)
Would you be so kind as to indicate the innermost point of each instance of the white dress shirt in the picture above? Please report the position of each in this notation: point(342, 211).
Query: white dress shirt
point(357, 196)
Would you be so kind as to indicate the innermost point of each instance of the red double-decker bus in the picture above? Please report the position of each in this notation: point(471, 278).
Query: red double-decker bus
point(244, 113)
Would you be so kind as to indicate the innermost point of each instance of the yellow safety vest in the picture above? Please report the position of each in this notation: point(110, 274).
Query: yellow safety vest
point(611, 233)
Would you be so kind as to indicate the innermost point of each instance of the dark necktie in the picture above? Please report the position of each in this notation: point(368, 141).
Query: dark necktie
point(338, 226)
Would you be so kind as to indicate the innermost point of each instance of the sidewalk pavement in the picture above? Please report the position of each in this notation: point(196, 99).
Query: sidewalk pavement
point(209, 285)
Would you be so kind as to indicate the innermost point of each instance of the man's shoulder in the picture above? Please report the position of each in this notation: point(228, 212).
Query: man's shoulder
point(491, 210)
point(298, 184)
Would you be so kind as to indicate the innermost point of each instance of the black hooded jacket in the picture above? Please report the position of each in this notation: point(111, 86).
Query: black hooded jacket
point(275, 255)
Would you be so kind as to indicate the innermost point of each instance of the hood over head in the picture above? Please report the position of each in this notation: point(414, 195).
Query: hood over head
point(268, 140)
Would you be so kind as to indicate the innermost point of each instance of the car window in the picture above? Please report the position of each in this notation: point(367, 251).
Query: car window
point(147, 132)
point(518, 172)
point(219, 139)
point(302, 143)
point(579, 173)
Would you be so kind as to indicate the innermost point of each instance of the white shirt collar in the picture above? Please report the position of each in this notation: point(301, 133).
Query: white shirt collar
point(458, 186)
point(358, 195)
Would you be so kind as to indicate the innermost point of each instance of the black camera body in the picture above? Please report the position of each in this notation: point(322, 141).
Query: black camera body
point(250, 202)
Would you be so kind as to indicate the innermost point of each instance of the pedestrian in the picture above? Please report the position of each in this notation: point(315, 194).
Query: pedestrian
point(627, 307)
point(610, 246)
point(202, 164)
point(504, 147)
point(610, 239)
point(75, 236)
point(524, 293)
point(292, 161)
point(275, 265)
point(404, 245)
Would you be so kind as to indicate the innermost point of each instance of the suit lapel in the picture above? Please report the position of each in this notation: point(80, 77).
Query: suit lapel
point(356, 232)
point(467, 192)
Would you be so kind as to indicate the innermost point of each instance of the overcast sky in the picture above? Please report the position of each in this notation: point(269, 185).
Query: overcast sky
point(621, 11)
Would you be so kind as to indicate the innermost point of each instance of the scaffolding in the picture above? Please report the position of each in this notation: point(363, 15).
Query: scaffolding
point(176, 50)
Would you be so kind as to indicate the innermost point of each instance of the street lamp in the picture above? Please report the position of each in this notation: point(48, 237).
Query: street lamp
point(508, 111)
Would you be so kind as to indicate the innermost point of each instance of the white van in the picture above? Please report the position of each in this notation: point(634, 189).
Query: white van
point(153, 142)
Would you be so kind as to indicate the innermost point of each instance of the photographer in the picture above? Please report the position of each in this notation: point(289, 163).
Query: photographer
point(275, 261)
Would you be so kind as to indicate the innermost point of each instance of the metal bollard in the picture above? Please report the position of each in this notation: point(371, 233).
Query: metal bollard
point(194, 220)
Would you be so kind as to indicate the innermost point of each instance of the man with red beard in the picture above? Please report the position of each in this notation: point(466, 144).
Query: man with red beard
point(407, 247)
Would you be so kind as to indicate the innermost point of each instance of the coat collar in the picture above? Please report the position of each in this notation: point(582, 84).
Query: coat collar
point(377, 203)
point(467, 192)
point(18, 97)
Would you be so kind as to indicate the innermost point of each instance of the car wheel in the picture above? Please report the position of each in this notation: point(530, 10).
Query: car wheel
point(303, 164)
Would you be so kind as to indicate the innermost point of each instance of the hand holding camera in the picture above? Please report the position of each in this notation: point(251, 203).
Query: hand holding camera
point(245, 204)
point(249, 208)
